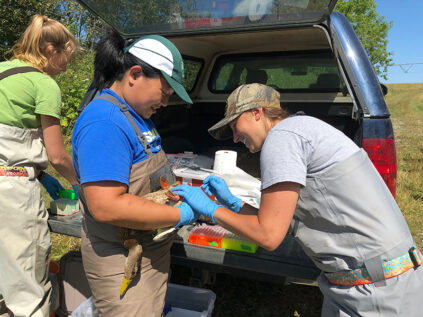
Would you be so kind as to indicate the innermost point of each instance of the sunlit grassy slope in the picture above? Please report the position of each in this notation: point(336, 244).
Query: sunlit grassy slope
point(405, 102)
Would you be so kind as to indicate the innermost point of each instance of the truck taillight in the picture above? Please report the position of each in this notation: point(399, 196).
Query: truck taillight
point(383, 155)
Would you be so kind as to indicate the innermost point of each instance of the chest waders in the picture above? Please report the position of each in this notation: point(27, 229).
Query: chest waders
point(104, 256)
point(347, 219)
point(24, 233)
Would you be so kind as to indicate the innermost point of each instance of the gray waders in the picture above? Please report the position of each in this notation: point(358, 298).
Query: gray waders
point(346, 219)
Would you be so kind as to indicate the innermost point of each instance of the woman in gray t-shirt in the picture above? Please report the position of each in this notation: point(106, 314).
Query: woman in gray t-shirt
point(316, 180)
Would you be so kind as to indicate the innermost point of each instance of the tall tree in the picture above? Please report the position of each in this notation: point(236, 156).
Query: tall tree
point(84, 25)
point(15, 16)
point(371, 28)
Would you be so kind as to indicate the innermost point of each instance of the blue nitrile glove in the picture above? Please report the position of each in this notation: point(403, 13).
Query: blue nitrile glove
point(75, 190)
point(217, 186)
point(197, 199)
point(51, 185)
point(188, 215)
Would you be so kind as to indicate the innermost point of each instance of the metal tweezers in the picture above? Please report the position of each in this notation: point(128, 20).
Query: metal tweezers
point(199, 168)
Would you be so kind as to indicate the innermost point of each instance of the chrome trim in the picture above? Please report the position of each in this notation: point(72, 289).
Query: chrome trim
point(363, 80)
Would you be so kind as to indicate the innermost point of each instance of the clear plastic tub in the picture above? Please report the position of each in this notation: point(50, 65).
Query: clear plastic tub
point(186, 301)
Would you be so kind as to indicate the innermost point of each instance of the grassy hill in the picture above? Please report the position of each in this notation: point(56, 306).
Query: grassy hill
point(405, 102)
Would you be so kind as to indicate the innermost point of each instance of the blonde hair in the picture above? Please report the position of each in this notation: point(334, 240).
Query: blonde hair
point(40, 33)
point(275, 113)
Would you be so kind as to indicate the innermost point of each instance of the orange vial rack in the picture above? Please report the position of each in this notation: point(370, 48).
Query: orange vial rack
point(217, 236)
point(207, 235)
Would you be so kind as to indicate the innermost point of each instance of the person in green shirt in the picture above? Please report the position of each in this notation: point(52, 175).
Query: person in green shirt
point(30, 137)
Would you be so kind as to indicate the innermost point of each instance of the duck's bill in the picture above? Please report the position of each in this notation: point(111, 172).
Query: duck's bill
point(124, 287)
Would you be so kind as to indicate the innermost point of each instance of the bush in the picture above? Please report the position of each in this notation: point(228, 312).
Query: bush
point(74, 84)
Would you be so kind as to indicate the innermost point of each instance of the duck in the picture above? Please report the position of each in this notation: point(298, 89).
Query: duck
point(131, 238)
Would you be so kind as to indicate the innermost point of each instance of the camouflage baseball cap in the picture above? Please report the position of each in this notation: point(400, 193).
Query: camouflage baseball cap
point(244, 98)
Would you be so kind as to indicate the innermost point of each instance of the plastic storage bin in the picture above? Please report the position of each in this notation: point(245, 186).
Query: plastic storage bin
point(192, 177)
point(186, 301)
point(64, 207)
point(181, 301)
point(75, 294)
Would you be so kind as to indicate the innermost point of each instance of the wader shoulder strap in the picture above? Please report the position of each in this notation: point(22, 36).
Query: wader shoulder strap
point(18, 70)
point(141, 137)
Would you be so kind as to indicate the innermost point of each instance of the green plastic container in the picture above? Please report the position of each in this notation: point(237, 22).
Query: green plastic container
point(231, 241)
point(67, 194)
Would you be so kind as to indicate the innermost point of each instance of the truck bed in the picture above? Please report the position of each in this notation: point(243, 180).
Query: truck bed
point(184, 128)
point(288, 260)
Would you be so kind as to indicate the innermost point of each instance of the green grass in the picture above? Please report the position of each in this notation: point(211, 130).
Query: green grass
point(245, 297)
point(405, 102)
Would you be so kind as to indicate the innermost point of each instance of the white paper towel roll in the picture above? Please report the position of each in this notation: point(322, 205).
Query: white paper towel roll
point(225, 162)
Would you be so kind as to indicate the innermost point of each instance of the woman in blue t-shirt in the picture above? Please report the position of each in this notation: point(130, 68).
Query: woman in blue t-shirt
point(118, 158)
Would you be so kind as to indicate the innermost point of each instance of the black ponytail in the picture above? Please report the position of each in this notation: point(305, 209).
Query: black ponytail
point(111, 63)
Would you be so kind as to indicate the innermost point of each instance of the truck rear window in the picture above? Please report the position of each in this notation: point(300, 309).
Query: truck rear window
point(294, 71)
point(132, 18)
point(192, 68)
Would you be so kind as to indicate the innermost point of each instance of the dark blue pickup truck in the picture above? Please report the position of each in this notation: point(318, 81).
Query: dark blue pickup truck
point(310, 54)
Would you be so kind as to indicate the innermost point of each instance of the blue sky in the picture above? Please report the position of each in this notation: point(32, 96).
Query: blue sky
point(405, 38)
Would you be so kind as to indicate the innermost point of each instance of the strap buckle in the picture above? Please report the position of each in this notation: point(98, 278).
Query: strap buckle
point(413, 253)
